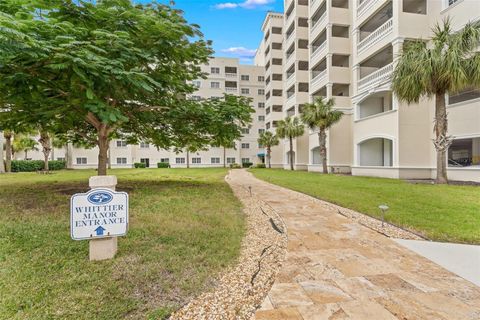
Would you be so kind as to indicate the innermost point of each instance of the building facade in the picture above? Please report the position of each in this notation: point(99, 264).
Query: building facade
point(347, 50)
point(224, 75)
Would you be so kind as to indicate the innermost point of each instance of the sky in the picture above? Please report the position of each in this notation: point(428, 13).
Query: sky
point(234, 26)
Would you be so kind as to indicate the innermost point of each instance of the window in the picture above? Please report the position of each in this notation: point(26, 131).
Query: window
point(245, 130)
point(464, 95)
point(215, 160)
point(464, 153)
point(144, 145)
point(245, 91)
point(261, 79)
point(81, 160)
point(121, 143)
point(121, 160)
point(245, 145)
point(230, 160)
point(260, 131)
point(261, 118)
point(165, 160)
point(179, 160)
point(261, 92)
point(261, 105)
point(196, 83)
point(215, 85)
point(245, 160)
point(60, 159)
point(146, 161)
point(214, 70)
point(197, 160)
point(245, 77)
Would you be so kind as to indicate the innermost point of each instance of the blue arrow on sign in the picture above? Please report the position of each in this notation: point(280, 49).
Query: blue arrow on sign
point(100, 230)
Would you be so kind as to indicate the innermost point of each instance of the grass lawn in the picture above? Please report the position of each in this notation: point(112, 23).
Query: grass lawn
point(440, 212)
point(185, 227)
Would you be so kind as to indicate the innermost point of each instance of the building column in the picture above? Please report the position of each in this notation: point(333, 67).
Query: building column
point(329, 87)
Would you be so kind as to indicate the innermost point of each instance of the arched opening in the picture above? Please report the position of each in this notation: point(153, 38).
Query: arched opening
point(316, 159)
point(376, 152)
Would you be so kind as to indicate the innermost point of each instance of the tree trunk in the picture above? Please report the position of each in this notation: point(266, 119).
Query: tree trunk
point(322, 142)
point(291, 153)
point(2, 164)
point(68, 160)
point(109, 157)
point(269, 157)
point(224, 157)
point(26, 154)
point(442, 141)
point(8, 151)
point(188, 159)
point(45, 141)
point(103, 145)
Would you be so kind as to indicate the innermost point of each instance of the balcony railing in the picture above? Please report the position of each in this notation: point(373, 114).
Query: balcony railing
point(230, 75)
point(231, 89)
point(315, 24)
point(318, 76)
point(290, 57)
point(364, 6)
point(317, 49)
point(374, 78)
point(376, 35)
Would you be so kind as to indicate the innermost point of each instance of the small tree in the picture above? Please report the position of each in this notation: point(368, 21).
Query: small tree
point(267, 139)
point(7, 134)
point(450, 64)
point(25, 144)
point(290, 128)
point(321, 115)
point(46, 143)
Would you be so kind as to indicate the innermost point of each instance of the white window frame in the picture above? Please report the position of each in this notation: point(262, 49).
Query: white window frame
point(83, 160)
point(245, 91)
point(215, 160)
point(196, 160)
point(144, 145)
point(120, 160)
point(214, 85)
point(245, 145)
point(121, 144)
point(231, 160)
point(180, 160)
point(214, 70)
point(245, 77)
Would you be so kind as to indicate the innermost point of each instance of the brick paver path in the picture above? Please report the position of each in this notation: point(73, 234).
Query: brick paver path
point(338, 269)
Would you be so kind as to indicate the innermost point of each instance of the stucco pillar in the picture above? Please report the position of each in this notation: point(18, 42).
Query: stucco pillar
point(329, 87)
point(104, 248)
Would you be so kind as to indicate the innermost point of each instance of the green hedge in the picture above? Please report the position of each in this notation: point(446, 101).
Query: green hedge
point(261, 165)
point(235, 166)
point(247, 164)
point(163, 165)
point(139, 165)
point(35, 165)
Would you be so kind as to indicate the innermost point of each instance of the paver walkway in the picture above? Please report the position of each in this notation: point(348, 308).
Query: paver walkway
point(339, 269)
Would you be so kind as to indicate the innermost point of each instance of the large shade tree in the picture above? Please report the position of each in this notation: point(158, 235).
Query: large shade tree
point(320, 114)
point(447, 64)
point(109, 68)
point(290, 128)
point(268, 140)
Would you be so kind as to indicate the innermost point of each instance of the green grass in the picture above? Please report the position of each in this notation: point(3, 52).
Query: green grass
point(440, 212)
point(185, 227)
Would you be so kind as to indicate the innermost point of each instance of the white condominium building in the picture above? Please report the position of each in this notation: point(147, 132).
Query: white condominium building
point(224, 75)
point(347, 50)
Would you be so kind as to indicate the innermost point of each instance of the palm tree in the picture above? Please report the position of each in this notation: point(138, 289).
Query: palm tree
point(290, 128)
point(268, 140)
point(450, 64)
point(320, 114)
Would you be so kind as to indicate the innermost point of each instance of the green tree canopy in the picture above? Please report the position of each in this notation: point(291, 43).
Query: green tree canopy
point(290, 128)
point(267, 139)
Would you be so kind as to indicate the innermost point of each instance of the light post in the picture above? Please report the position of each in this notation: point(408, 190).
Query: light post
point(384, 208)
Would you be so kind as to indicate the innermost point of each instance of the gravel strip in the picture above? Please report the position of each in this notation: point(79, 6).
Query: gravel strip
point(242, 289)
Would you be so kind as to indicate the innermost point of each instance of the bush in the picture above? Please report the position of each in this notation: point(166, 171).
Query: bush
point(261, 165)
point(247, 164)
point(235, 166)
point(163, 165)
point(36, 165)
point(139, 165)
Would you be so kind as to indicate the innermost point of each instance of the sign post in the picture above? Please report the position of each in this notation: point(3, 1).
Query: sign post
point(100, 215)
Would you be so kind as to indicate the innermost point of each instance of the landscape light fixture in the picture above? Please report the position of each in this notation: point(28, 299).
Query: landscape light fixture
point(384, 209)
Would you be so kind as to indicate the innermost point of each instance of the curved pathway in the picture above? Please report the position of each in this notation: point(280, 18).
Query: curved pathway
point(338, 269)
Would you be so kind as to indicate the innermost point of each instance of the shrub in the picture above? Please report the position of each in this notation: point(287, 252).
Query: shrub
point(163, 165)
point(261, 165)
point(247, 164)
point(234, 166)
point(36, 165)
point(139, 165)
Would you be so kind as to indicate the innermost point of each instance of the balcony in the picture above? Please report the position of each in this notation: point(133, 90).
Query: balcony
point(364, 6)
point(375, 78)
point(318, 22)
point(376, 104)
point(377, 35)
point(231, 89)
point(317, 49)
point(317, 77)
point(230, 75)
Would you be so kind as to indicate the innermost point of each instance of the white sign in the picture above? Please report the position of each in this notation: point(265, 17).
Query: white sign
point(98, 213)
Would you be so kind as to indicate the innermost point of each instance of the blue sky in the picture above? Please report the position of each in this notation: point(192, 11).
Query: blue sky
point(232, 25)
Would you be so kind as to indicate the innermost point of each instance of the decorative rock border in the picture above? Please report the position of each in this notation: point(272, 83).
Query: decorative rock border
point(242, 289)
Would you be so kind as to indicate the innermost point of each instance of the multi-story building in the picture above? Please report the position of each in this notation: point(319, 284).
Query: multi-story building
point(346, 50)
point(224, 75)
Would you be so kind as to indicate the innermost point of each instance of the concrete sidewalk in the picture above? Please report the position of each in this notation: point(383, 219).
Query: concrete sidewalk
point(461, 259)
point(338, 269)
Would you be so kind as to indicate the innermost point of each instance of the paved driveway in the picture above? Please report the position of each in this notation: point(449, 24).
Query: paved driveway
point(339, 269)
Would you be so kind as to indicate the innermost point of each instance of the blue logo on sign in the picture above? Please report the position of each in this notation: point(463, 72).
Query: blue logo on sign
point(100, 197)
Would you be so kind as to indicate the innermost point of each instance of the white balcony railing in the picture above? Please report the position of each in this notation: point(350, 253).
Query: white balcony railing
point(380, 33)
point(230, 89)
point(317, 49)
point(289, 59)
point(377, 77)
point(318, 76)
point(315, 24)
point(364, 6)
point(230, 75)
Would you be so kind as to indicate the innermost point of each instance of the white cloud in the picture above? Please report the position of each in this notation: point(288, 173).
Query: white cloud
point(247, 4)
point(240, 52)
